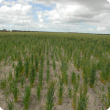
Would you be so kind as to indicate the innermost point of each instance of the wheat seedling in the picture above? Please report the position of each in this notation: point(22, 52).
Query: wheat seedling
point(10, 105)
point(26, 97)
point(50, 96)
point(38, 92)
point(22, 79)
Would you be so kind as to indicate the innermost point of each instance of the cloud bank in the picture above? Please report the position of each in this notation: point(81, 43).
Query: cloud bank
point(65, 16)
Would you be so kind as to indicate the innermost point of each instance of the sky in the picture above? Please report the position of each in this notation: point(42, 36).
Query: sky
point(83, 16)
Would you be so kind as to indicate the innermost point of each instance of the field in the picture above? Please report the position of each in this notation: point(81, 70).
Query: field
point(54, 71)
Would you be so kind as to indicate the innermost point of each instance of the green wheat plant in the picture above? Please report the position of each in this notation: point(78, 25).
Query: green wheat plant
point(26, 65)
point(10, 105)
point(22, 79)
point(54, 64)
point(10, 76)
point(17, 73)
point(20, 66)
point(48, 74)
point(32, 77)
point(73, 78)
point(40, 77)
point(93, 75)
point(12, 84)
point(15, 92)
point(26, 97)
point(38, 93)
point(69, 92)
point(74, 99)
point(36, 64)
point(50, 96)
point(60, 90)
point(109, 95)
point(3, 83)
point(47, 61)
point(75, 89)
point(82, 101)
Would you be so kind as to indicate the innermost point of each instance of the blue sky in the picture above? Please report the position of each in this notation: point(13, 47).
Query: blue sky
point(56, 15)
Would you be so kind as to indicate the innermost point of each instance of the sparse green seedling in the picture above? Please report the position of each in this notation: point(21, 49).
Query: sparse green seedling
point(69, 91)
point(109, 95)
point(26, 69)
point(22, 79)
point(73, 78)
point(48, 74)
point(60, 91)
point(75, 89)
point(3, 83)
point(26, 97)
point(54, 64)
point(32, 77)
point(82, 101)
point(13, 65)
point(38, 92)
point(17, 73)
point(50, 96)
point(36, 64)
point(15, 93)
point(10, 105)
point(92, 75)
point(10, 76)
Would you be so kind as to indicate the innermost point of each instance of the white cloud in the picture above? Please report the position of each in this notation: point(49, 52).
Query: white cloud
point(16, 14)
point(101, 28)
point(65, 15)
point(17, 9)
point(40, 16)
point(8, 3)
point(108, 1)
